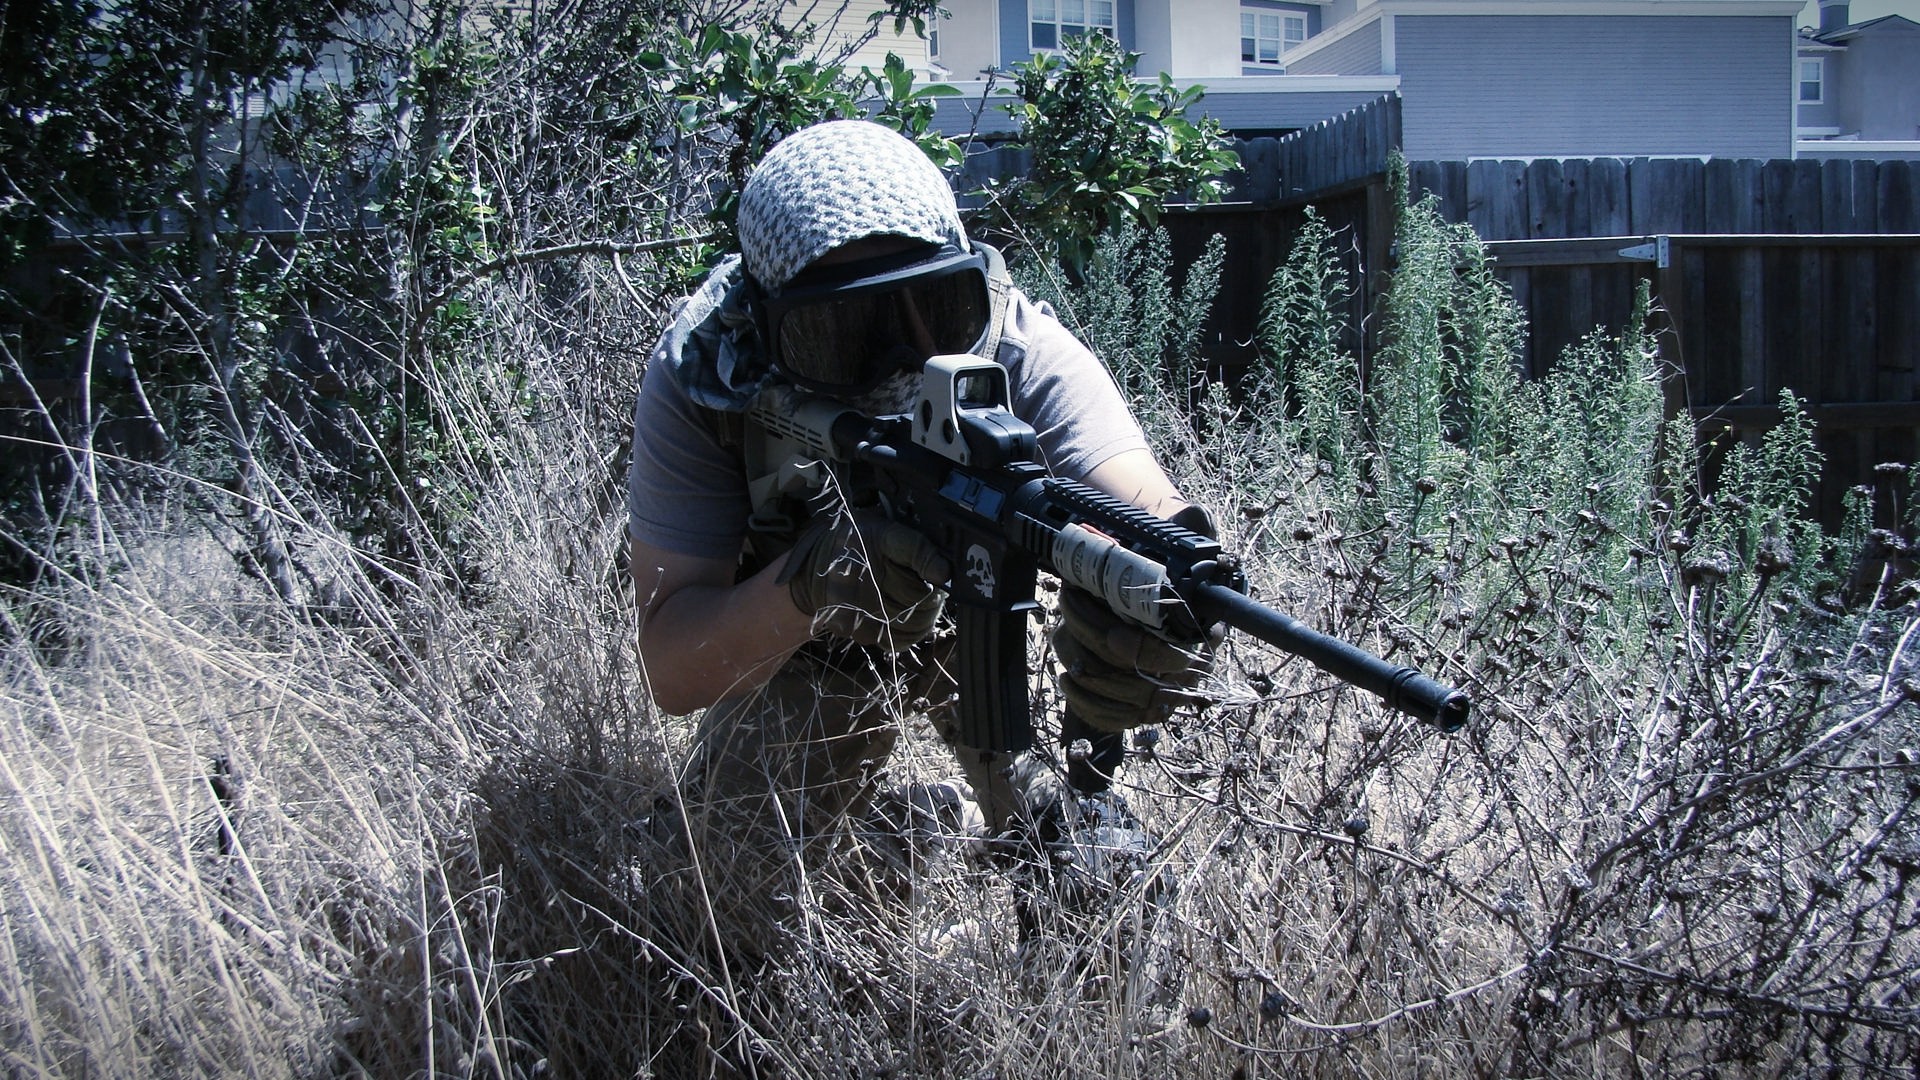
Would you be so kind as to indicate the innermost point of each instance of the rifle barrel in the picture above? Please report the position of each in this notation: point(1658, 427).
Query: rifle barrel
point(1403, 688)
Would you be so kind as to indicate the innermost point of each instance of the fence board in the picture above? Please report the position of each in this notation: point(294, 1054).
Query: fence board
point(1680, 200)
point(1806, 196)
point(1866, 206)
point(1346, 149)
point(1776, 201)
point(1446, 181)
point(1836, 196)
point(1897, 192)
point(1732, 194)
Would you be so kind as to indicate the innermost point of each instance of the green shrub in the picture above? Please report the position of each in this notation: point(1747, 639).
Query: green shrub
point(1106, 149)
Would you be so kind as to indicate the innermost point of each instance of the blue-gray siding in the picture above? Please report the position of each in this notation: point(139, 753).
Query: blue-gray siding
point(1356, 54)
point(1279, 110)
point(1265, 112)
point(1876, 82)
point(956, 116)
point(1590, 86)
point(1013, 32)
point(1819, 116)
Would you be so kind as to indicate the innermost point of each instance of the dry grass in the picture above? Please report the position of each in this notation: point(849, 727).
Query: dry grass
point(243, 841)
point(418, 831)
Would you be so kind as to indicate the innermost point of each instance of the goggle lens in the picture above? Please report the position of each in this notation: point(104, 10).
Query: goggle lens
point(849, 337)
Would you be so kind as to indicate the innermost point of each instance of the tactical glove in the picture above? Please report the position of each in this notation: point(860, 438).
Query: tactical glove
point(867, 578)
point(1117, 675)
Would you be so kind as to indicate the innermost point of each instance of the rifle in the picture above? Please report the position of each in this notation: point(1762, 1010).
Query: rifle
point(962, 469)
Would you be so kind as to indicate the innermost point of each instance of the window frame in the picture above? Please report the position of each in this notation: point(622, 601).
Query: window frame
point(1818, 82)
point(1283, 21)
point(1058, 26)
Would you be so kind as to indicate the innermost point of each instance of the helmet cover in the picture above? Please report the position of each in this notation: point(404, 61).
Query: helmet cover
point(834, 183)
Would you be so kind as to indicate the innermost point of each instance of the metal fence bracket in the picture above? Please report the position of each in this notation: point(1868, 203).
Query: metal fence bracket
point(1656, 252)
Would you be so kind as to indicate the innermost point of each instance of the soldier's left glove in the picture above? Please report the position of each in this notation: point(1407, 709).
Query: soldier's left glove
point(1117, 675)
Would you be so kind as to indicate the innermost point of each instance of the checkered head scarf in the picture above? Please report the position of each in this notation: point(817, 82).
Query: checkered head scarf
point(836, 182)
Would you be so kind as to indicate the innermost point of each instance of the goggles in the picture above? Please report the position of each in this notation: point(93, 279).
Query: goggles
point(843, 330)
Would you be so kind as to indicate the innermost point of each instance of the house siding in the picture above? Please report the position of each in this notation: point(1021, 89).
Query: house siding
point(1356, 54)
point(1876, 82)
point(1819, 116)
point(850, 24)
point(1588, 86)
point(968, 42)
point(1250, 113)
point(1014, 43)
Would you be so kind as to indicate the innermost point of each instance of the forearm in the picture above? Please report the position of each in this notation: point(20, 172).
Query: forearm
point(1134, 477)
point(705, 642)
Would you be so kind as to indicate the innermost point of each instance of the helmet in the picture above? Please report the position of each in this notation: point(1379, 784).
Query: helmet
point(844, 328)
point(832, 183)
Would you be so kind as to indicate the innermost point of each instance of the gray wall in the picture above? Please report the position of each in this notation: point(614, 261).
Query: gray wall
point(1826, 114)
point(1592, 86)
point(1237, 111)
point(1876, 82)
point(1356, 54)
point(1279, 111)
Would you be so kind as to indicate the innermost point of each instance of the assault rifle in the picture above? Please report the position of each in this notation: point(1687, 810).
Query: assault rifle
point(964, 470)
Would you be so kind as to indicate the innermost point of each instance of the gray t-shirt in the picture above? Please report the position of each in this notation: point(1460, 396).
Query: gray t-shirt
point(687, 494)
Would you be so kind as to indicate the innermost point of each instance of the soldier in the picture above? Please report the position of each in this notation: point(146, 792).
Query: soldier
point(808, 628)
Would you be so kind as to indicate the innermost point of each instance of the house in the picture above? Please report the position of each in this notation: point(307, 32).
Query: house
point(1477, 78)
point(1857, 85)
point(1235, 48)
point(1574, 78)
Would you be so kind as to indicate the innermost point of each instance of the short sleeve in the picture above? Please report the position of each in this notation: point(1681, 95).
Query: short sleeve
point(1061, 388)
point(686, 493)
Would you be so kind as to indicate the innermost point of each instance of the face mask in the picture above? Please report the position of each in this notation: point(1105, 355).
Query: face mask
point(896, 394)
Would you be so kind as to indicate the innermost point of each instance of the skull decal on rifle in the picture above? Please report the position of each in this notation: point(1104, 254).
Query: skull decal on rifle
point(980, 570)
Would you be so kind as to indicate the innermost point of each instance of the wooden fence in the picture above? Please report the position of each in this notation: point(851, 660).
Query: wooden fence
point(1768, 275)
point(1835, 318)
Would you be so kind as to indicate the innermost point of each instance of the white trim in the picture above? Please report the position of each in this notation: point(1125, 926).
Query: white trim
point(1328, 35)
point(1846, 149)
point(1586, 7)
point(1389, 48)
point(1294, 84)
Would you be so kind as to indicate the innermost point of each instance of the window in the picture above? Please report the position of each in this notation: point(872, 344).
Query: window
point(1266, 35)
point(1812, 81)
point(1054, 22)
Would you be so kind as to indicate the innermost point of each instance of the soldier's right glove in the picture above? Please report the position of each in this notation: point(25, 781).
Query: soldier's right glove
point(1116, 675)
point(865, 577)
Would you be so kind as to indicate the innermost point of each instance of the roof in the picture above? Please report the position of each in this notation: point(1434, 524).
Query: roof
point(1368, 14)
point(1854, 30)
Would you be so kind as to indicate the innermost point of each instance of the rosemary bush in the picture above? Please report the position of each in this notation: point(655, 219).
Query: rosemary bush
point(1675, 836)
